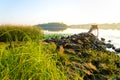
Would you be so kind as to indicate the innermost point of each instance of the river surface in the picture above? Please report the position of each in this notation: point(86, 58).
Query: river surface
point(109, 34)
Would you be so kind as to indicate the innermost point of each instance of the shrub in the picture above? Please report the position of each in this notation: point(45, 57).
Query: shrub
point(19, 33)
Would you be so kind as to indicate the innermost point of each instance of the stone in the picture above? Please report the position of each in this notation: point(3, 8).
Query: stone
point(78, 42)
point(117, 50)
point(73, 46)
point(108, 45)
point(71, 51)
point(73, 39)
point(85, 54)
point(76, 47)
point(103, 39)
point(109, 41)
point(61, 49)
point(113, 48)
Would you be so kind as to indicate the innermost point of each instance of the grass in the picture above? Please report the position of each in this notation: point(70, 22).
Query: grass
point(36, 60)
point(94, 65)
point(31, 61)
point(39, 61)
point(49, 36)
point(19, 33)
point(27, 58)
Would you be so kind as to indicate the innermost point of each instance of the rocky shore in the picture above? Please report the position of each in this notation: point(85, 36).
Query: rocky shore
point(78, 42)
point(85, 55)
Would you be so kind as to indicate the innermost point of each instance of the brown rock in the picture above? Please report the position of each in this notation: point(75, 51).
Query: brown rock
point(73, 46)
point(71, 51)
point(73, 39)
point(61, 49)
point(79, 41)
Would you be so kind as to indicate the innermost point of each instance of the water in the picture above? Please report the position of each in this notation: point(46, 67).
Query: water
point(113, 35)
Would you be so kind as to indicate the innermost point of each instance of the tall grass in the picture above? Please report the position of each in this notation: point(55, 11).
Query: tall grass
point(31, 61)
point(19, 33)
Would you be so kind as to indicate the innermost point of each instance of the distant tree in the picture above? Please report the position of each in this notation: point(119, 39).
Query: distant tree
point(53, 26)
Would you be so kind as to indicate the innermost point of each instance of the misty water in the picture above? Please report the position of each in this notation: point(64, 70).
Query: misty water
point(109, 34)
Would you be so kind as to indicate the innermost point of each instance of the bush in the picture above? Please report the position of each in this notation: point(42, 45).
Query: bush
point(19, 33)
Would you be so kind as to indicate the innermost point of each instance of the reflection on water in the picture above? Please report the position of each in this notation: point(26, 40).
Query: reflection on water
point(113, 35)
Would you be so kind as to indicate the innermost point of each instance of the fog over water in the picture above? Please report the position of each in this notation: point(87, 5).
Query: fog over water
point(109, 34)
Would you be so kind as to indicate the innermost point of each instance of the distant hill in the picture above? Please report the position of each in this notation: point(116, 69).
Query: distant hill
point(101, 26)
point(56, 26)
point(53, 26)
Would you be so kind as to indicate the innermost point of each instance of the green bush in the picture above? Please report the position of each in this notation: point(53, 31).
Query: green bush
point(19, 33)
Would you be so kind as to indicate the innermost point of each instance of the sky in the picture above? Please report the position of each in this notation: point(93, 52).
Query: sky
point(32, 12)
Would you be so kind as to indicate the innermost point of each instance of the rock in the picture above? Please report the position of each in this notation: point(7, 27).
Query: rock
point(101, 47)
point(85, 54)
point(108, 45)
point(78, 42)
point(103, 39)
point(63, 37)
point(117, 63)
point(117, 50)
point(98, 42)
point(109, 41)
point(73, 46)
point(77, 57)
point(113, 48)
point(102, 65)
point(71, 51)
point(61, 49)
point(73, 39)
point(57, 40)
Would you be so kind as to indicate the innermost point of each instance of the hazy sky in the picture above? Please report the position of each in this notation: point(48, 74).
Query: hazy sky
point(33, 12)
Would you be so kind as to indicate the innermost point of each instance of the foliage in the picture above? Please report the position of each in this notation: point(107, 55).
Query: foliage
point(53, 26)
point(31, 61)
point(49, 36)
point(19, 33)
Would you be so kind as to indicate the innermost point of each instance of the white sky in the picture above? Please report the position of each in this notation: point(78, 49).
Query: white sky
point(33, 12)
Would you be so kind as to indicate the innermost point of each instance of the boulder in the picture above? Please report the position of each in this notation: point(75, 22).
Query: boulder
point(71, 51)
point(108, 45)
point(117, 50)
point(78, 42)
point(103, 39)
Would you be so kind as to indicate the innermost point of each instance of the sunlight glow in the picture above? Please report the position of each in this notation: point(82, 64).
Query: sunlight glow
point(66, 11)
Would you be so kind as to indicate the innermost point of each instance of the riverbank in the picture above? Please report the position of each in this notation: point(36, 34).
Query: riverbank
point(74, 57)
point(84, 53)
point(106, 34)
point(45, 61)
